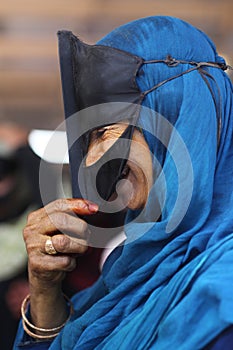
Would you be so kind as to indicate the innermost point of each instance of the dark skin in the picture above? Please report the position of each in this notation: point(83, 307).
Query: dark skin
point(46, 272)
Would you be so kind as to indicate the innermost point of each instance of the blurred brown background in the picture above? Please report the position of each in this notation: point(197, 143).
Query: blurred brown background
point(30, 91)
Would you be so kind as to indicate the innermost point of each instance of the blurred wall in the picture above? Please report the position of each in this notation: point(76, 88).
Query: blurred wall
point(30, 91)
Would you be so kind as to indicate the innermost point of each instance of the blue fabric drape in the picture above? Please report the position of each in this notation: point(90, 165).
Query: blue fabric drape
point(171, 285)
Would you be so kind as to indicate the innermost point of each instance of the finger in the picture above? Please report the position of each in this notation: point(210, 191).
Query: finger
point(44, 265)
point(78, 206)
point(59, 222)
point(68, 245)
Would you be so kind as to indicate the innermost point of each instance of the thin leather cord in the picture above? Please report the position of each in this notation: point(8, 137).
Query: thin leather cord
point(204, 75)
point(172, 62)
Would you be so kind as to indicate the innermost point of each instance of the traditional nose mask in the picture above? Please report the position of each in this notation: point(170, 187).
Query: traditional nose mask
point(103, 79)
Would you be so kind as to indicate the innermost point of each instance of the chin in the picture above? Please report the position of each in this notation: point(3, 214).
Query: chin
point(136, 201)
point(135, 206)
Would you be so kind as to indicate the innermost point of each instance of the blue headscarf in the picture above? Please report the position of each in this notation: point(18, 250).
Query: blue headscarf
point(171, 283)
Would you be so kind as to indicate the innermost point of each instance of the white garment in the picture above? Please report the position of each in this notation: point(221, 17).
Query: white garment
point(112, 244)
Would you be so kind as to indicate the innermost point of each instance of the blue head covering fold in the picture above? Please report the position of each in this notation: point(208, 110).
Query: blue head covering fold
point(171, 283)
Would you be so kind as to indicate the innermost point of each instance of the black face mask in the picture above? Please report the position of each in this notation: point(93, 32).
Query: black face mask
point(98, 181)
point(103, 79)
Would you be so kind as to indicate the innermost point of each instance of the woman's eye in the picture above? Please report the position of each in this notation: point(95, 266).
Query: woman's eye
point(100, 132)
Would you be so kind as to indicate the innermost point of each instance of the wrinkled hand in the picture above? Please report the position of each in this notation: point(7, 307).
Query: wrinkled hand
point(59, 220)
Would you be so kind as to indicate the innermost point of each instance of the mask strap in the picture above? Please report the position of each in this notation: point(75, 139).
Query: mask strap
point(172, 62)
point(204, 75)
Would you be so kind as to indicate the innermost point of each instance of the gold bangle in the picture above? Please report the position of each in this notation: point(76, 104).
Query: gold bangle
point(38, 336)
point(27, 324)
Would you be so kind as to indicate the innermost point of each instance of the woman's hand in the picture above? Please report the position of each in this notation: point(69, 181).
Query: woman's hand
point(69, 234)
point(61, 221)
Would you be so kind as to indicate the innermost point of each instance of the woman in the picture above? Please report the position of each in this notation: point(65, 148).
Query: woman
point(170, 282)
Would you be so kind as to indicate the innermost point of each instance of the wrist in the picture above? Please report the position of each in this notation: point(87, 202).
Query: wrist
point(37, 332)
point(49, 310)
point(45, 285)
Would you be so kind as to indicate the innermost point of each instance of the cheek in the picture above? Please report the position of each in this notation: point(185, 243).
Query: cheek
point(140, 164)
point(97, 149)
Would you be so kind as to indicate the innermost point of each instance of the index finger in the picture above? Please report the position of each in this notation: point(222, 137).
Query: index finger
point(67, 205)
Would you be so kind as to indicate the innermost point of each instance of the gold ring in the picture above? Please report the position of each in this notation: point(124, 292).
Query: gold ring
point(49, 248)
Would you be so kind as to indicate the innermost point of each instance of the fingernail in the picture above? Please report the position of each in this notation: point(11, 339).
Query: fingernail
point(93, 207)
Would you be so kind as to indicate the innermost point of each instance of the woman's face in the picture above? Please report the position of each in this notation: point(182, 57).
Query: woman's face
point(138, 170)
